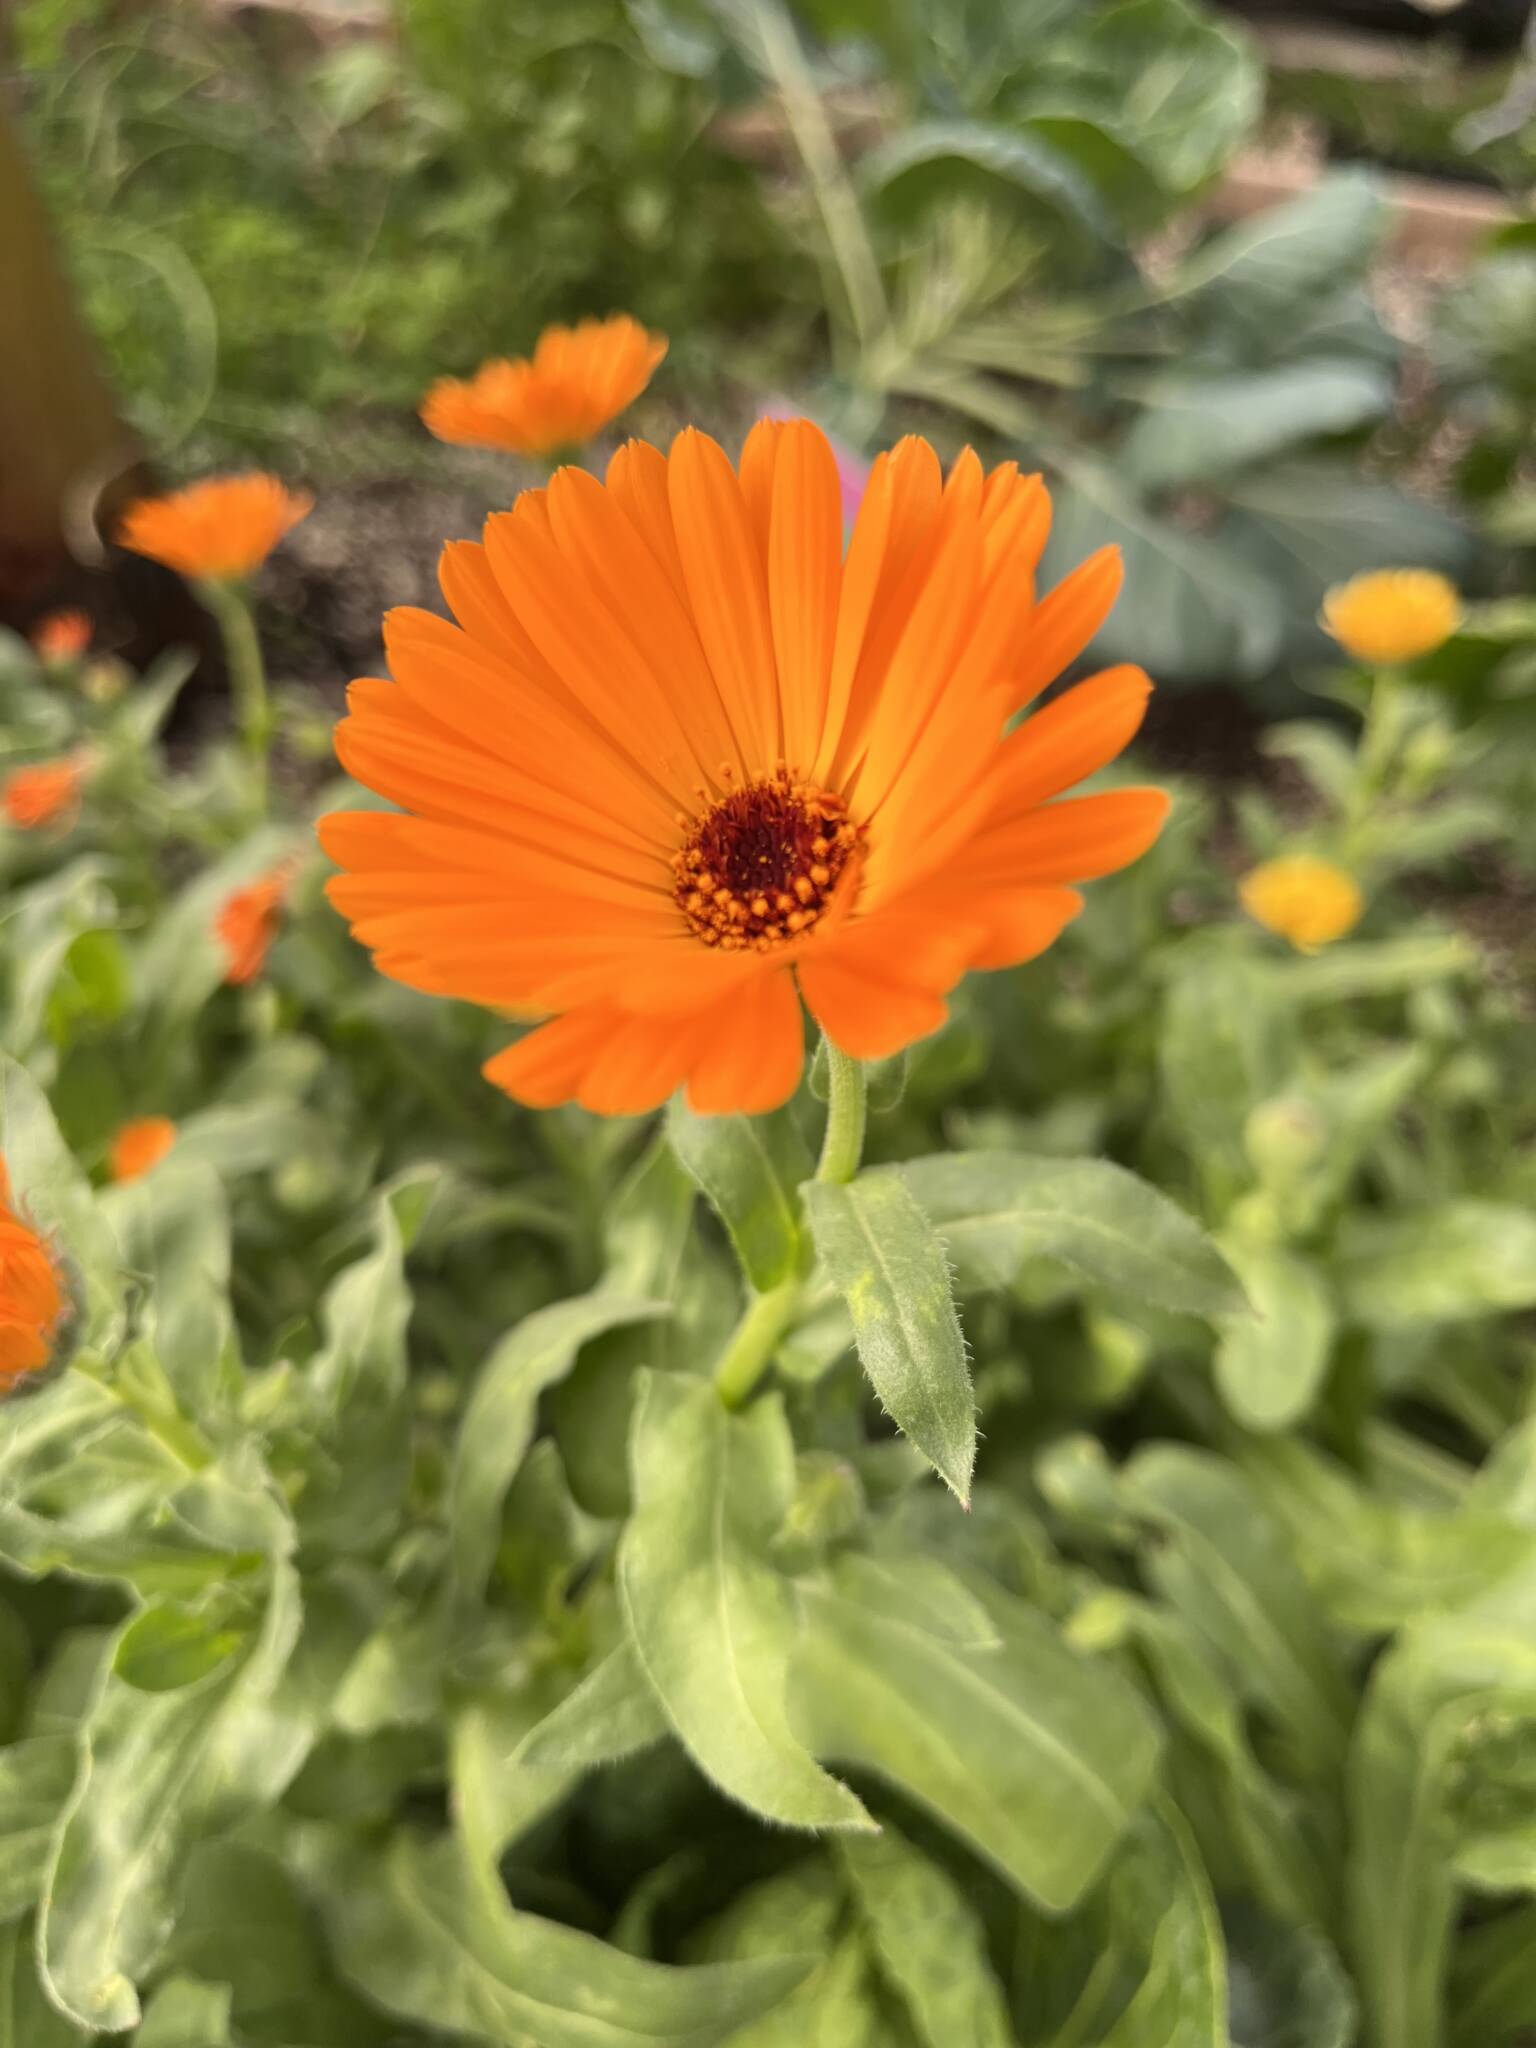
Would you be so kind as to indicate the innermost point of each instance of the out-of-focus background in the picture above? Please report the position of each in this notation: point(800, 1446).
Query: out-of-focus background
point(1256, 283)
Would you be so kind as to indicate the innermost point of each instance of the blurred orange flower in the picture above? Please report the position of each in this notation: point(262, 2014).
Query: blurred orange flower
point(31, 1297)
point(1306, 900)
point(681, 764)
point(46, 791)
point(217, 530)
point(141, 1143)
point(247, 924)
point(62, 636)
point(577, 380)
point(1392, 615)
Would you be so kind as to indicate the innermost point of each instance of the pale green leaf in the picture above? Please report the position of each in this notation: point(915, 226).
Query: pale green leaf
point(710, 1618)
point(750, 1169)
point(1271, 1362)
point(997, 1209)
point(1442, 1264)
point(186, 2014)
point(429, 1939)
point(610, 1714)
point(885, 1259)
point(1037, 1758)
point(27, 2018)
point(35, 1780)
point(499, 1419)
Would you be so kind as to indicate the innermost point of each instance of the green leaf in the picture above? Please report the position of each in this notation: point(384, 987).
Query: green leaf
point(1194, 430)
point(609, 1715)
point(928, 1942)
point(711, 1620)
point(802, 1911)
point(1191, 610)
point(997, 1209)
point(1288, 255)
point(35, 1780)
point(750, 1169)
point(1438, 1265)
point(27, 2018)
point(929, 160)
point(1270, 1363)
point(1225, 1565)
point(499, 1419)
point(1288, 1988)
point(1035, 1757)
point(1447, 1713)
point(159, 1769)
point(883, 1257)
point(1226, 1043)
point(186, 2014)
point(430, 1940)
point(173, 1226)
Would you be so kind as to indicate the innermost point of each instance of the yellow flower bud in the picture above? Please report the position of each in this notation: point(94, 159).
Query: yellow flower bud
point(1392, 615)
point(1306, 900)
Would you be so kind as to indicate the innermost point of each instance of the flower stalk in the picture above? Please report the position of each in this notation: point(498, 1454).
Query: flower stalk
point(247, 673)
point(767, 1316)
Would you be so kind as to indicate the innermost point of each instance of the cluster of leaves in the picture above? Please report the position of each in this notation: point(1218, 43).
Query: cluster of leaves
point(264, 234)
point(400, 1637)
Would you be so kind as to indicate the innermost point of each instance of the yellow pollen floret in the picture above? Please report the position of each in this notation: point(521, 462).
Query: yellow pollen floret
point(1306, 900)
point(1392, 615)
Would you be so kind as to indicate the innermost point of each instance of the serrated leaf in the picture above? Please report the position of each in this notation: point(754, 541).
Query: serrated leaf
point(884, 1258)
point(750, 1169)
point(499, 1419)
point(996, 1209)
point(1035, 1757)
point(432, 1941)
point(711, 1619)
point(609, 1715)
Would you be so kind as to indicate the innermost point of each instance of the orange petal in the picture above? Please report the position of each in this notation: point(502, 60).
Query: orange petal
point(1071, 738)
point(866, 1018)
point(1074, 840)
point(727, 591)
point(751, 1058)
point(1066, 619)
point(805, 570)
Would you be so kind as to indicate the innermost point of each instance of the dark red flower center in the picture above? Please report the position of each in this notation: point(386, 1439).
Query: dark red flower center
point(760, 866)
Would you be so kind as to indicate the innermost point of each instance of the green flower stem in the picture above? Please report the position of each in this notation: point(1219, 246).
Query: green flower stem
point(842, 1145)
point(767, 1316)
point(1380, 737)
point(247, 674)
point(755, 1339)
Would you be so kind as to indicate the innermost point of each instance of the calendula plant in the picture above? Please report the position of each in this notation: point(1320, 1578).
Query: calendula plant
point(483, 1563)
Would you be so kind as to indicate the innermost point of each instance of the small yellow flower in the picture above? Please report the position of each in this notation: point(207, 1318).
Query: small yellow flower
point(1306, 900)
point(1392, 615)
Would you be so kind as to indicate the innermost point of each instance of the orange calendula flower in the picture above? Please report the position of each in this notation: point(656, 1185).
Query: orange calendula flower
point(682, 763)
point(141, 1143)
point(247, 924)
point(32, 1302)
point(1306, 900)
point(1392, 615)
point(575, 382)
point(44, 793)
point(217, 531)
point(62, 636)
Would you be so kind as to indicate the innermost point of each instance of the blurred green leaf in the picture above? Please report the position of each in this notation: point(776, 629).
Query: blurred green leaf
point(36, 1778)
point(750, 1169)
point(27, 2018)
point(182, 2013)
point(1461, 1258)
point(1196, 429)
point(1271, 1361)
